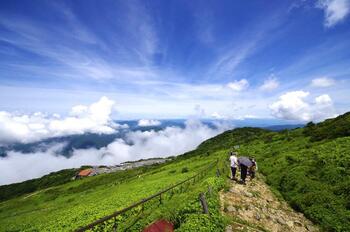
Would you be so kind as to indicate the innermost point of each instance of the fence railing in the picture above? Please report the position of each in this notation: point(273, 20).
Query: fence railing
point(103, 220)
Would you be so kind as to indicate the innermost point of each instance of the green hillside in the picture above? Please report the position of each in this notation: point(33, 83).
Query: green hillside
point(309, 167)
point(77, 203)
point(53, 179)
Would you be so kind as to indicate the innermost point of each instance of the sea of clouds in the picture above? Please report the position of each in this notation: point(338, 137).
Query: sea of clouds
point(134, 145)
point(96, 118)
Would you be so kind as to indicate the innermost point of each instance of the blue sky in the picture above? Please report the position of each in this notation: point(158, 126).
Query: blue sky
point(173, 59)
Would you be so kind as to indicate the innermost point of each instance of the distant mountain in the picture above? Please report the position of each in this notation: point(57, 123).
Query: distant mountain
point(90, 140)
point(84, 141)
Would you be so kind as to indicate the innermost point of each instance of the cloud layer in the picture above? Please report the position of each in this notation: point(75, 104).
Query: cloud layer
point(148, 122)
point(295, 106)
point(136, 145)
point(29, 128)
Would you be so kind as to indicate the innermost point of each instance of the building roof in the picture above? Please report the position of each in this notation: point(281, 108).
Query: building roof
point(160, 226)
point(85, 172)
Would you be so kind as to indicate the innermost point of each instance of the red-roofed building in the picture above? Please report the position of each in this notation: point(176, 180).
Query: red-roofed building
point(160, 226)
point(85, 172)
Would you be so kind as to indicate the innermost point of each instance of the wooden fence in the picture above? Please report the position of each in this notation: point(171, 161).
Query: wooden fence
point(105, 221)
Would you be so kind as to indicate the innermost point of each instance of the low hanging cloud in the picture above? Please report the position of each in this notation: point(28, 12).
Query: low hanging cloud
point(295, 105)
point(148, 122)
point(82, 119)
point(335, 11)
point(322, 82)
point(172, 140)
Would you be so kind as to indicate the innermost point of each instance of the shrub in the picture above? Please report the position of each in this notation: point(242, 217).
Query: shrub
point(200, 223)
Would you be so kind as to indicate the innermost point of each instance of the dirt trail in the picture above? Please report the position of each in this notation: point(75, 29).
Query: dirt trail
point(253, 207)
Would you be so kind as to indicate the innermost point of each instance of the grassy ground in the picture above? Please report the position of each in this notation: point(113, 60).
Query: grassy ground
point(80, 202)
point(312, 176)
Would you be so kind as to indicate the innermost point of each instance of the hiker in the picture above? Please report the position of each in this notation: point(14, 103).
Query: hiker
point(244, 164)
point(253, 168)
point(244, 170)
point(234, 164)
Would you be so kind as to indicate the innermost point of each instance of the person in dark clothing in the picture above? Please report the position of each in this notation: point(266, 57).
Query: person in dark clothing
point(244, 164)
point(233, 173)
point(253, 169)
point(244, 170)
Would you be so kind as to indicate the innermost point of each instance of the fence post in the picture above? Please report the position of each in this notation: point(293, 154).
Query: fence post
point(203, 203)
point(217, 172)
point(115, 225)
point(210, 190)
point(170, 193)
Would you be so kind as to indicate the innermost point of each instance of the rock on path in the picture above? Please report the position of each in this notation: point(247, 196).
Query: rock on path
point(253, 207)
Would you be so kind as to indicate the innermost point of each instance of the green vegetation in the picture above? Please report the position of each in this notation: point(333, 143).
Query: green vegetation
point(53, 179)
point(76, 203)
point(329, 129)
point(312, 177)
point(309, 167)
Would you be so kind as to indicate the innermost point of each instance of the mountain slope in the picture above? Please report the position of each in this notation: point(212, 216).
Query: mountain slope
point(312, 175)
point(76, 203)
point(310, 168)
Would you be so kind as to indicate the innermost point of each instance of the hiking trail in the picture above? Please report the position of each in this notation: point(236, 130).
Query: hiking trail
point(253, 207)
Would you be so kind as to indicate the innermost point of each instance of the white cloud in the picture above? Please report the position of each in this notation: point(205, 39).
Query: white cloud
point(216, 115)
point(294, 106)
point(323, 100)
point(148, 122)
point(335, 11)
point(244, 117)
point(18, 167)
point(78, 110)
point(270, 84)
point(322, 82)
point(238, 86)
point(136, 145)
point(29, 128)
point(250, 116)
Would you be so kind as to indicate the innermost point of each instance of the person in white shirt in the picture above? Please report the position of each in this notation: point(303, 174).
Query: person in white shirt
point(234, 164)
